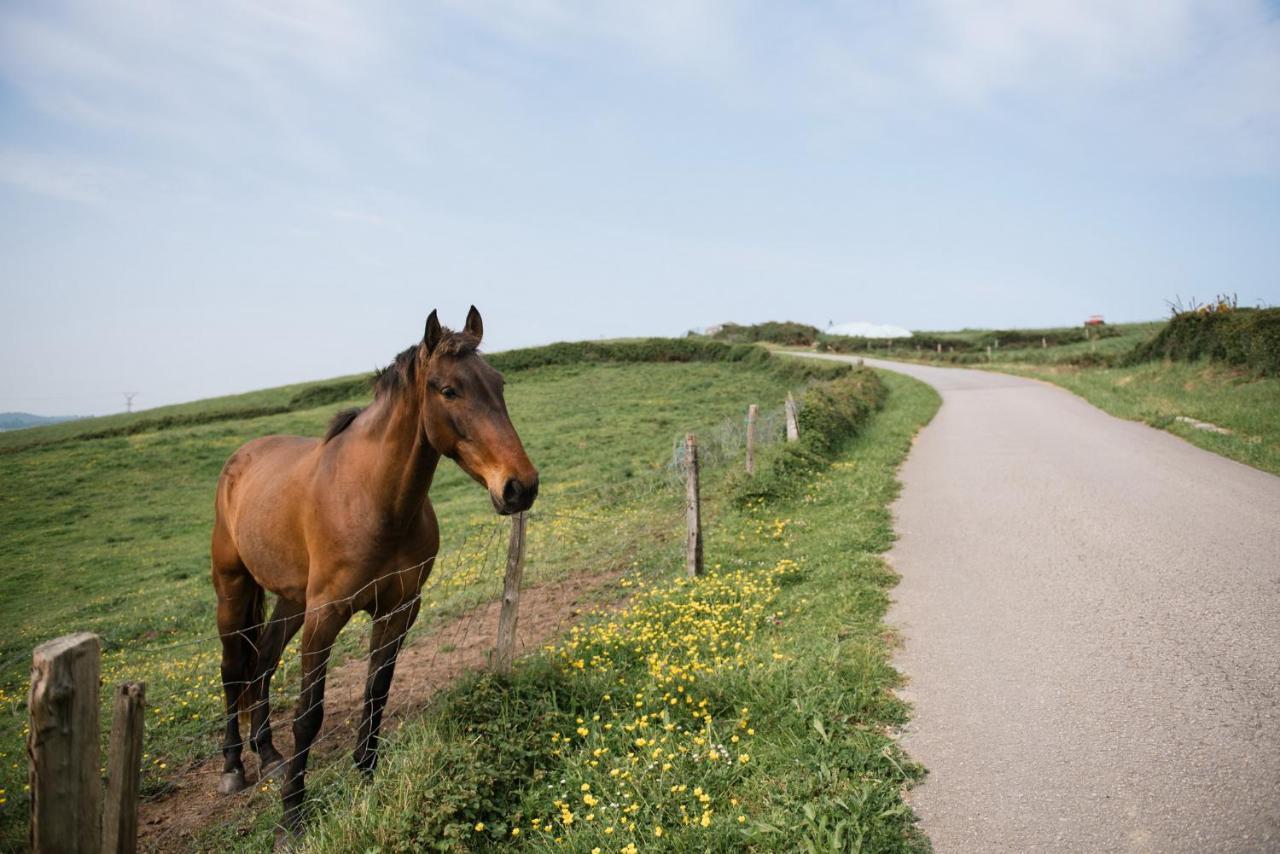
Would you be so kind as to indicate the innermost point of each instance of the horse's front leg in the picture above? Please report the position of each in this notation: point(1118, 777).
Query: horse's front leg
point(319, 630)
point(384, 647)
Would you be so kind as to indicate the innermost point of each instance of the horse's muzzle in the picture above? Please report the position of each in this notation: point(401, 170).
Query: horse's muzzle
point(517, 496)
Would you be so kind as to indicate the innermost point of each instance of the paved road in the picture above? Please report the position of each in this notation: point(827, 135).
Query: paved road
point(1091, 610)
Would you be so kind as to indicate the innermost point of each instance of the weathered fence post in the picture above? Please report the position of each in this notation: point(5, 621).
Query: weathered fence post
point(505, 651)
point(752, 412)
point(988, 352)
point(793, 425)
point(1044, 343)
point(124, 771)
point(939, 348)
point(63, 745)
point(693, 508)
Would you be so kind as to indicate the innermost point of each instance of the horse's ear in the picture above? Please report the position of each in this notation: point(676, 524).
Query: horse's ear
point(474, 324)
point(432, 336)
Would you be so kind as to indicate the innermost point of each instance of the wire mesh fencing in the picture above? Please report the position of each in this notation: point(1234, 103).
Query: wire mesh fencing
point(578, 542)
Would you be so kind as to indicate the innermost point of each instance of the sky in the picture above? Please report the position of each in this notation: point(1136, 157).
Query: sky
point(199, 199)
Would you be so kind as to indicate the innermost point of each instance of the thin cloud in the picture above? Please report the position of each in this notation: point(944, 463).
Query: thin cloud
point(67, 179)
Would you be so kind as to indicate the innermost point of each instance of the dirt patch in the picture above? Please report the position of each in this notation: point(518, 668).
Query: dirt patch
point(429, 664)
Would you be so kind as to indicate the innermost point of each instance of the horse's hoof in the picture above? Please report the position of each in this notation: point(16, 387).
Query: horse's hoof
point(285, 841)
point(231, 782)
point(273, 771)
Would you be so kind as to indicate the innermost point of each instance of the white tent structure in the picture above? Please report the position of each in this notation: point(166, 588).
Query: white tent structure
point(868, 330)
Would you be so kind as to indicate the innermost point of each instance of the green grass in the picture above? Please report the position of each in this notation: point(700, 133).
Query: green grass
point(777, 662)
point(1158, 392)
point(110, 535)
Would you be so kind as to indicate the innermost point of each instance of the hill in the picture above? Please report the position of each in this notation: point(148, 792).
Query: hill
point(23, 420)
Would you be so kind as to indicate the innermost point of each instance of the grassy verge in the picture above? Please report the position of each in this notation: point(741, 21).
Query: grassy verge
point(1157, 393)
point(104, 524)
point(750, 708)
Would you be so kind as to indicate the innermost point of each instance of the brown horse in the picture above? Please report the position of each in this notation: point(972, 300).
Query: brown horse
point(343, 524)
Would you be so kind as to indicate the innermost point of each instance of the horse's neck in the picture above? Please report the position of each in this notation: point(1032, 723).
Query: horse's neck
point(402, 463)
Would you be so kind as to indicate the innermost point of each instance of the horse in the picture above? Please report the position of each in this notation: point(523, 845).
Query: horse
point(343, 524)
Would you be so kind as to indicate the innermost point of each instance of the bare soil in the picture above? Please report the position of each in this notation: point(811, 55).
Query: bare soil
point(173, 821)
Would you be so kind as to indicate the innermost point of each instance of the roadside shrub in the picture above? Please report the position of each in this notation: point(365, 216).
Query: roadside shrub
point(786, 332)
point(854, 344)
point(830, 413)
point(1248, 337)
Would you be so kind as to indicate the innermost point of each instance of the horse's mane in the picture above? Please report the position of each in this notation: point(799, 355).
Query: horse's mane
point(402, 373)
point(341, 421)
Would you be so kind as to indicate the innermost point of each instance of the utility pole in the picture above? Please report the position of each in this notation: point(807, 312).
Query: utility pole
point(128, 400)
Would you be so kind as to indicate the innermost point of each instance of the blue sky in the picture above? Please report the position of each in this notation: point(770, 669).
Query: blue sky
point(205, 198)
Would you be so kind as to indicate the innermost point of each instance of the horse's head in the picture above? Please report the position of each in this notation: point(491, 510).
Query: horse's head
point(465, 415)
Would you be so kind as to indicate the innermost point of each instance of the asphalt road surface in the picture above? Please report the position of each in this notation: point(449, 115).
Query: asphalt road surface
point(1091, 616)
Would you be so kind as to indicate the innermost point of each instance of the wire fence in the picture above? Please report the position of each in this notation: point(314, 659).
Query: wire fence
point(579, 540)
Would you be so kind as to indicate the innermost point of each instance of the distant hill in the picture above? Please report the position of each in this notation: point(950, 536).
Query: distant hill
point(22, 420)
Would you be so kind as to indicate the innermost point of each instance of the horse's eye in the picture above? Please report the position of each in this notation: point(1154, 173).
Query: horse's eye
point(449, 392)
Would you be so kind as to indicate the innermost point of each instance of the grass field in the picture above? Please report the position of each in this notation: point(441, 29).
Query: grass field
point(110, 535)
point(751, 709)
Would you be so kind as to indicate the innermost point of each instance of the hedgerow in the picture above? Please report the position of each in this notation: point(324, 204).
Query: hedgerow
point(786, 332)
point(830, 413)
point(974, 343)
point(660, 350)
point(1249, 337)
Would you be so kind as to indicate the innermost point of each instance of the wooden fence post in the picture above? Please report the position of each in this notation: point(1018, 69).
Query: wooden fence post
point(1044, 343)
point(752, 412)
point(505, 651)
point(63, 745)
point(124, 771)
point(793, 424)
point(693, 507)
point(939, 348)
point(988, 352)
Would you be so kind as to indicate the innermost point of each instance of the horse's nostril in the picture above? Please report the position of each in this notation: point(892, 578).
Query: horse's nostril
point(511, 492)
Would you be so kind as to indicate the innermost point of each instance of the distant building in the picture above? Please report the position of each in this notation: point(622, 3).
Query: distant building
point(1095, 320)
point(859, 329)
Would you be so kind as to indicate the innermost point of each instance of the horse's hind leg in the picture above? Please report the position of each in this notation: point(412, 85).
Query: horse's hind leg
point(239, 614)
point(285, 621)
point(384, 647)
